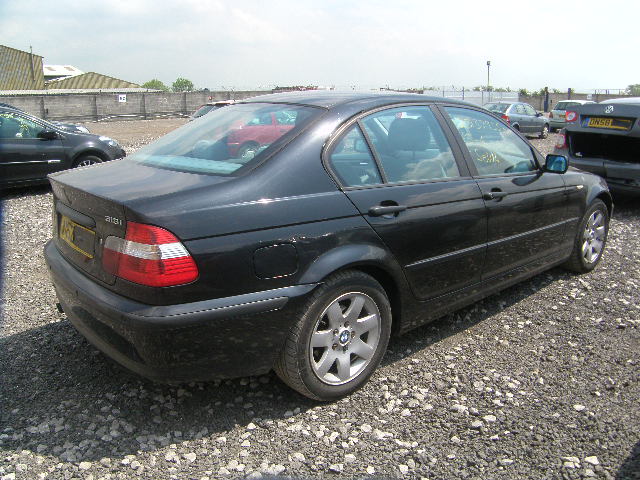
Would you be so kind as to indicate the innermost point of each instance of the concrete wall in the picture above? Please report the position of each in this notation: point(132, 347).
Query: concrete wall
point(104, 106)
point(537, 101)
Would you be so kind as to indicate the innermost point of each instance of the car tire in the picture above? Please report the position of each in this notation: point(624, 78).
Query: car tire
point(545, 131)
point(590, 240)
point(516, 127)
point(86, 160)
point(247, 151)
point(331, 351)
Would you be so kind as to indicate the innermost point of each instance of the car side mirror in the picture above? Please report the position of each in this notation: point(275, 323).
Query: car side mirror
point(48, 135)
point(556, 163)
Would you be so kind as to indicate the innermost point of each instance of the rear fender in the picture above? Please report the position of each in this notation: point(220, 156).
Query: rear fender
point(352, 256)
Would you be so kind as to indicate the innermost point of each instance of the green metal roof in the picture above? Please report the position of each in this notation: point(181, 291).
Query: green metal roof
point(20, 70)
point(90, 80)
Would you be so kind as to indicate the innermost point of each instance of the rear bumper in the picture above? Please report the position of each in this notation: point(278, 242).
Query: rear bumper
point(553, 123)
point(220, 338)
point(621, 177)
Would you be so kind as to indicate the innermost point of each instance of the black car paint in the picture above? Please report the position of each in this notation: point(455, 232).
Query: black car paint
point(292, 201)
point(26, 161)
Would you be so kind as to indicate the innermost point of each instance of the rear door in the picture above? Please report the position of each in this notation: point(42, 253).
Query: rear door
point(524, 123)
point(399, 168)
point(526, 206)
point(536, 122)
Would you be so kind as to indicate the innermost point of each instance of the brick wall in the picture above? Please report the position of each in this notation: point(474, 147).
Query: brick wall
point(104, 106)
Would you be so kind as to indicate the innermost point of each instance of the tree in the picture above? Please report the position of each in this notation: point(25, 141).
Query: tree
point(634, 90)
point(182, 85)
point(155, 84)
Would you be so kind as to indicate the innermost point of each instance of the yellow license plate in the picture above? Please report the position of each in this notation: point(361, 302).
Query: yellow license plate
point(80, 238)
point(600, 122)
point(610, 122)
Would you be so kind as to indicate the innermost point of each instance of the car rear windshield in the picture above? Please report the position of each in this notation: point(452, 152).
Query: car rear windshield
point(227, 139)
point(497, 107)
point(565, 105)
point(202, 110)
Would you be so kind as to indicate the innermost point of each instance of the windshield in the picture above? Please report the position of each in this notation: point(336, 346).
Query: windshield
point(223, 141)
point(497, 107)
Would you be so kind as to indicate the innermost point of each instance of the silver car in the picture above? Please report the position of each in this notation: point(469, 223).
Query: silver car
point(557, 115)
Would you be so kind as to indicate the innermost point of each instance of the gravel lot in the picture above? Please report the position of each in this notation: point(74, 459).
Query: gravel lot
point(541, 381)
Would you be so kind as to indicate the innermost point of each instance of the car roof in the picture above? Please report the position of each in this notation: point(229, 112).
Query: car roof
point(631, 100)
point(329, 99)
point(575, 101)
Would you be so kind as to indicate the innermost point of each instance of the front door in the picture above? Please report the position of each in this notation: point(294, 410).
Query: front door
point(527, 207)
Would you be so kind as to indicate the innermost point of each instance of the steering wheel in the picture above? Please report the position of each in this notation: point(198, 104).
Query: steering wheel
point(487, 161)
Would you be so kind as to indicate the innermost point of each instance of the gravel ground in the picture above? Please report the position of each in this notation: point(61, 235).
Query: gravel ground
point(538, 382)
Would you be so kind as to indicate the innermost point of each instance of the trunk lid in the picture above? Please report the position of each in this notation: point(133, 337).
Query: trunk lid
point(88, 206)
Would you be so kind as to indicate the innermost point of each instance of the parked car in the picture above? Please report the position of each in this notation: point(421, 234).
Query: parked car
point(521, 116)
point(371, 215)
point(557, 115)
point(209, 107)
point(604, 138)
point(259, 132)
point(31, 148)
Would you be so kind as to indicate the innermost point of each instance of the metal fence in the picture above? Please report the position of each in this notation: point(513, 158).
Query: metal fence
point(474, 96)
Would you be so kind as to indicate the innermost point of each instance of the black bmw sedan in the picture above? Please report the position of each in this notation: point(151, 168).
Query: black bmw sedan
point(31, 148)
point(351, 217)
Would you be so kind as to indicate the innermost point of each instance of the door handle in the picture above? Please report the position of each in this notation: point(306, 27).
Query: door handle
point(380, 210)
point(497, 195)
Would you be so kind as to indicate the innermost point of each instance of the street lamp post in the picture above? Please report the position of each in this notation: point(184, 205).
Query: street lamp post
point(488, 67)
point(488, 83)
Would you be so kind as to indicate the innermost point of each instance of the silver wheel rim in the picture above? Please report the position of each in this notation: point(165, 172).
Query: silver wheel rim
point(248, 153)
point(86, 162)
point(345, 338)
point(593, 237)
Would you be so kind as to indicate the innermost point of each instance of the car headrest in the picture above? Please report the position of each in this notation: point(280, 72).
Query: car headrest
point(409, 134)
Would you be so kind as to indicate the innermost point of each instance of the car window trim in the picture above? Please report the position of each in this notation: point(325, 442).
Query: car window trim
point(467, 156)
point(338, 133)
point(372, 151)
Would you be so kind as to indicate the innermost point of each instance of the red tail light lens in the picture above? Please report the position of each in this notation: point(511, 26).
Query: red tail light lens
point(149, 256)
point(562, 140)
point(571, 116)
point(505, 118)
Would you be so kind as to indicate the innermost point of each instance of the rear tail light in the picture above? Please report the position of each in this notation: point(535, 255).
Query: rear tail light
point(149, 256)
point(505, 118)
point(571, 116)
point(562, 140)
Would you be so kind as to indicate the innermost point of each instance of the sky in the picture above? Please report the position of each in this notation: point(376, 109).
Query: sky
point(254, 44)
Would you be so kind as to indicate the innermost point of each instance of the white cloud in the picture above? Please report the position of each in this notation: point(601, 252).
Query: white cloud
point(253, 43)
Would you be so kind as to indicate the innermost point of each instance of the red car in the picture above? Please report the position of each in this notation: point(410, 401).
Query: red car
point(259, 132)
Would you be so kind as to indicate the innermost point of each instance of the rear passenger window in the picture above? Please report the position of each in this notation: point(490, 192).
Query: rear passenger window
point(410, 145)
point(352, 160)
point(493, 147)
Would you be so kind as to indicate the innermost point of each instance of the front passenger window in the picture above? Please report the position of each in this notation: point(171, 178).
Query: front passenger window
point(493, 147)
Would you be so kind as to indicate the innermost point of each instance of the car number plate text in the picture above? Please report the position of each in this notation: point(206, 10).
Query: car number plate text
point(609, 122)
point(80, 238)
